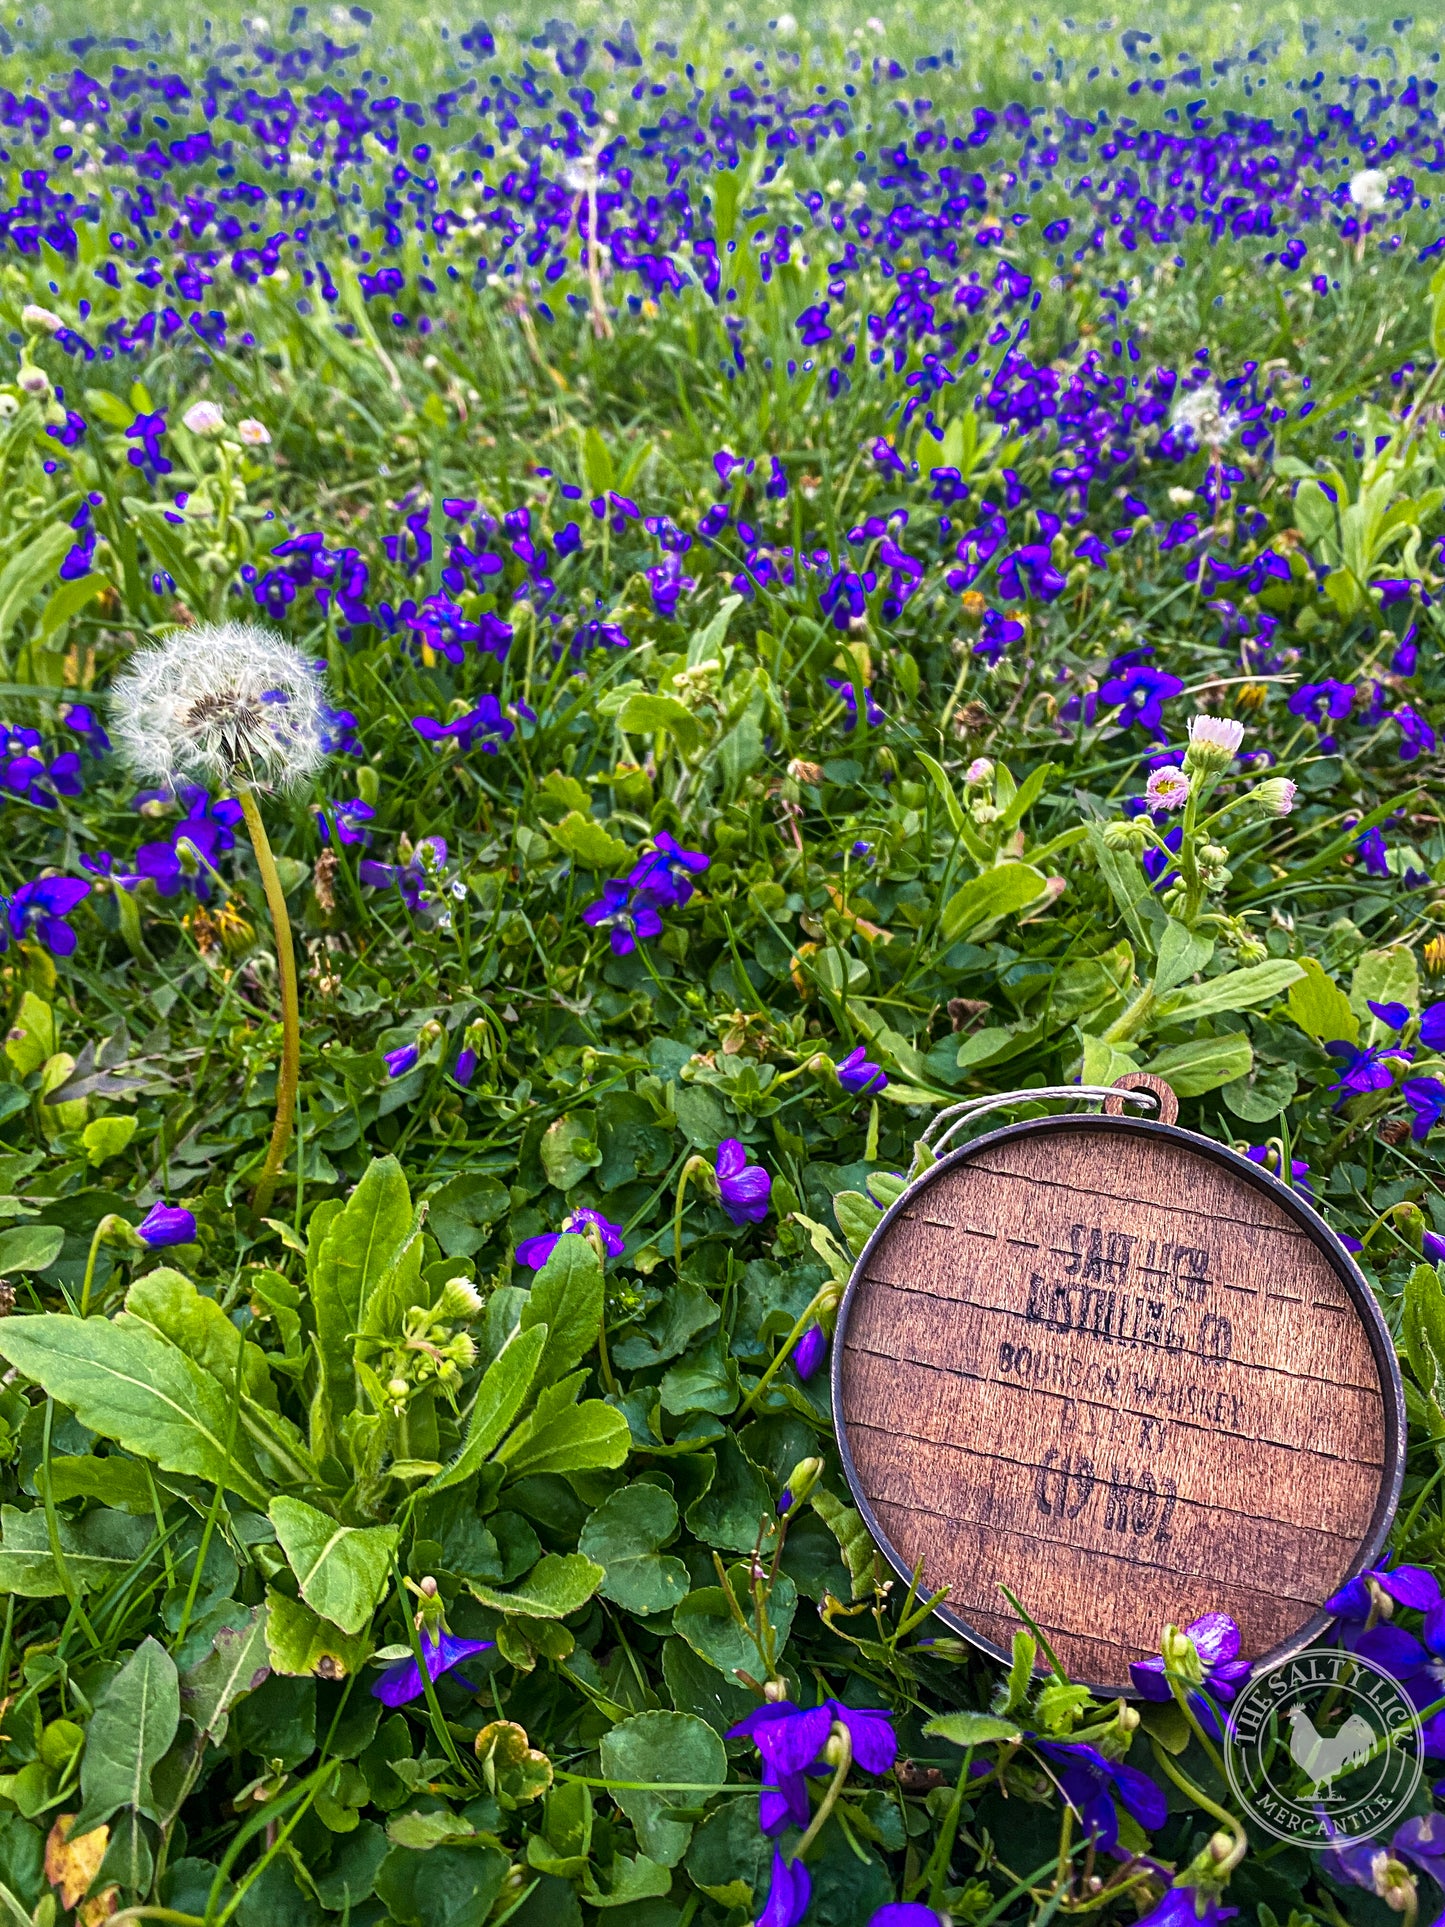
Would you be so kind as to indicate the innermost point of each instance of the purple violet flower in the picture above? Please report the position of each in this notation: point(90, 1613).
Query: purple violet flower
point(1365, 1070)
point(402, 1682)
point(534, 1252)
point(628, 916)
point(399, 1062)
point(1091, 1784)
point(1426, 1098)
point(904, 1913)
point(857, 1075)
point(665, 873)
point(1216, 1640)
point(871, 710)
point(166, 1224)
point(790, 1740)
point(810, 1351)
point(742, 1187)
point(789, 1892)
point(1180, 1908)
point(39, 910)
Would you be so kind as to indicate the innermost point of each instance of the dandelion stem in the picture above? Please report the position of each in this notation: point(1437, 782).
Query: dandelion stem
point(290, 1071)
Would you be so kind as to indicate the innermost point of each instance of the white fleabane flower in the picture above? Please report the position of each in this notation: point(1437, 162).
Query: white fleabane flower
point(1368, 189)
point(221, 704)
point(253, 433)
point(204, 418)
point(34, 316)
point(1221, 732)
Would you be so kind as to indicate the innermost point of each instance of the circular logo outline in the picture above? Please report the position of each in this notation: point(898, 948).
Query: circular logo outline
point(1273, 1711)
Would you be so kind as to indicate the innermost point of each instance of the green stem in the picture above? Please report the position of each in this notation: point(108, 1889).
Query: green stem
point(801, 1324)
point(693, 1164)
point(1202, 1799)
point(289, 1074)
point(102, 1233)
point(835, 1787)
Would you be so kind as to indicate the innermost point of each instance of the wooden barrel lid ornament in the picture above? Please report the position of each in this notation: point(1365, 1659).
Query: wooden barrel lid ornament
point(1124, 1372)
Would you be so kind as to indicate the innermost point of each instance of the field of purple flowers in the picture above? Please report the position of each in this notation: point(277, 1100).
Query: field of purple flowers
point(597, 619)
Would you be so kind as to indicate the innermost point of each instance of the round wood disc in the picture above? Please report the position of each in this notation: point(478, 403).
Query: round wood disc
point(1128, 1375)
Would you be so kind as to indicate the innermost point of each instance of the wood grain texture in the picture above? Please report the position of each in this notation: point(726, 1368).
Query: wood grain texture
point(1102, 1365)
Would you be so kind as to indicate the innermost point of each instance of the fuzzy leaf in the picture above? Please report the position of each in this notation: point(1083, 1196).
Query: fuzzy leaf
point(342, 1570)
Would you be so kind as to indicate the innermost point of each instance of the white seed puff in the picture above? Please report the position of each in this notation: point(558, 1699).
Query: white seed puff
point(221, 704)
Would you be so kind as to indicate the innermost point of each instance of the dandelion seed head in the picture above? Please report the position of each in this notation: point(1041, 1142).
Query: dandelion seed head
point(221, 704)
point(1202, 417)
point(1368, 189)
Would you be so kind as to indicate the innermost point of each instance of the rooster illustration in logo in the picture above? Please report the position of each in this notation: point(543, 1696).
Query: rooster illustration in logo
point(1324, 1756)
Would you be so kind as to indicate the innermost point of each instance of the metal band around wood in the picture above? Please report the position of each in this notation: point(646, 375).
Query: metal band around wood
point(1129, 1375)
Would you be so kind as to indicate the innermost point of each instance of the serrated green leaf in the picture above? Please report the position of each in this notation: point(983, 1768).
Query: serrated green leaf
point(623, 1536)
point(972, 1729)
point(1320, 1007)
point(139, 1391)
point(988, 898)
point(567, 1297)
point(560, 1583)
point(500, 1396)
point(591, 1437)
point(342, 1570)
point(671, 1749)
point(854, 1542)
point(134, 1722)
point(587, 843)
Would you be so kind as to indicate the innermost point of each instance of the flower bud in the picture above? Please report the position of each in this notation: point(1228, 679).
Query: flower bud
point(800, 1482)
point(33, 380)
point(1213, 743)
point(460, 1299)
point(1275, 795)
point(40, 319)
point(1180, 1656)
point(980, 770)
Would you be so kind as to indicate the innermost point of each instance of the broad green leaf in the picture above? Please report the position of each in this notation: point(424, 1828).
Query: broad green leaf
point(107, 1137)
point(854, 1542)
point(629, 1882)
point(167, 1305)
point(672, 1749)
point(643, 713)
point(461, 1212)
point(98, 1549)
point(591, 1437)
point(1105, 1063)
point(986, 899)
point(451, 1885)
point(1128, 886)
point(585, 840)
point(624, 1535)
point(67, 600)
point(138, 1390)
point(1423, 1330)
point(30, 1247)
point(115, 1481)
point(358, 1244)
point(1242, 989)
point(500, 1397)
point(569, 1150)
point(342, 1570)
point(736, 1507)
point(31, 1040)
point(134, 1722)
point(705, 645)
point(972, 1729)
point(858, 1218)
point(303, 1644)
point(30, 570)
point(729, 1858)
point(237, 1664)
point(567, 1298)
point(1320, 1007)
point(1182, 953)
point(1263, 1094)
point(708, 1622)
point(1384, 977)
point(559, 1583)
point(1204, 1063)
